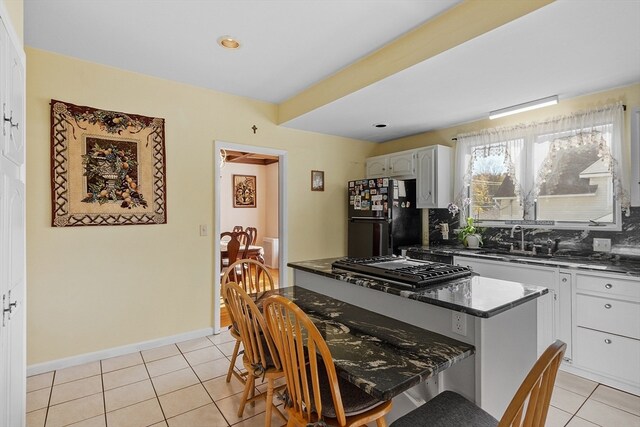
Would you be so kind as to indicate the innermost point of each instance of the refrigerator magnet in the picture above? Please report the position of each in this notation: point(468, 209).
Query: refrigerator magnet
point(402, 205)
point(385, 182)
point(352, 184)
point(357, 203)
point(373, 191)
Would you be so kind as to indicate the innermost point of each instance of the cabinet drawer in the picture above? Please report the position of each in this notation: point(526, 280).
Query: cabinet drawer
point(609, 285)
point(608, 354)
point(608, 315)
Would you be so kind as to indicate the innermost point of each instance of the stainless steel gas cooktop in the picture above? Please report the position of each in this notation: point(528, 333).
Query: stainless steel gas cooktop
point(415, 273)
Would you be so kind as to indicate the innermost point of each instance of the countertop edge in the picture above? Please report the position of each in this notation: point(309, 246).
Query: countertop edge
point(381, 285)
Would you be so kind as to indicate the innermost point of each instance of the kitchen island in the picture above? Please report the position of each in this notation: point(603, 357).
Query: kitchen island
point(497, 317)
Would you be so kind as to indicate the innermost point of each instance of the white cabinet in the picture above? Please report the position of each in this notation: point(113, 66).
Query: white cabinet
point(377, 167)
point(403, 164)
point(551, 325)
point(12, 230)
point(434, 177)
point(607, 328)
point(432, 167)
point(400, 165)
point(635, 156)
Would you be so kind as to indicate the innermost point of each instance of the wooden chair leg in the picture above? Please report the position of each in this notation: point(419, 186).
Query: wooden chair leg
point(269, 403)
point(232, 366)
point(381, 422)
point(248, 386)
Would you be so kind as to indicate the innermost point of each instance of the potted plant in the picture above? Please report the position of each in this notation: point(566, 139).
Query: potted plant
point(470, 235)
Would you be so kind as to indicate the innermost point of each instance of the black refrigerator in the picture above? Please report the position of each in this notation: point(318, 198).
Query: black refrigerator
point(382, 217)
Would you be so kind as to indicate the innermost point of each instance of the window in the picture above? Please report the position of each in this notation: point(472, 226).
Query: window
point(561, 173)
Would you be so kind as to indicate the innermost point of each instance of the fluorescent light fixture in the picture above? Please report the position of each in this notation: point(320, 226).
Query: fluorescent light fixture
point(532, 105)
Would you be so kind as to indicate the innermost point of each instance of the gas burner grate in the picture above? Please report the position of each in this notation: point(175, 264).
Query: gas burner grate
point(416, 273)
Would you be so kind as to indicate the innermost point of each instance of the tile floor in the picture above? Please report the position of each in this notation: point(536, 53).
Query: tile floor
point(183, 385)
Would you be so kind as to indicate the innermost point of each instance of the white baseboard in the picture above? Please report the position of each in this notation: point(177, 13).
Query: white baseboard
point(53, 365)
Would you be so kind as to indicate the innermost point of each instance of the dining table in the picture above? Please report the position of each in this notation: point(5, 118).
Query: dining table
point(255, 252)
point(382, 356)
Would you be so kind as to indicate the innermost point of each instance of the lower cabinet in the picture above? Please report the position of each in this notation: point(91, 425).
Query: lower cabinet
point(607, 328)
point(552, 321)
point(596, 314)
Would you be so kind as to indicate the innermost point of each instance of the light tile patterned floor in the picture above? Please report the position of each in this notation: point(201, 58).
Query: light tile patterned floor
point(183, 385)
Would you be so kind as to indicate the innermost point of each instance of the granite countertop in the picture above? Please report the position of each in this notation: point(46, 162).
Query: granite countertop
point(382, 356)
point(474, 295)
point(597, 262)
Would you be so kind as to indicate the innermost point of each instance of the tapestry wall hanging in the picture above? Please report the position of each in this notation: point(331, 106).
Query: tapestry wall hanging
point(244, 191)
point(108, 168)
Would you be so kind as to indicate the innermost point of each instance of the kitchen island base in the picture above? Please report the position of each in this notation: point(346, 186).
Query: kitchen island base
point(505, 343)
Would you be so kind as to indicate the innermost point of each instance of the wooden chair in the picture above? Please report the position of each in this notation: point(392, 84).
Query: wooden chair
point(253, 277)
point(260, 356)
point(237, 246)
point(238, 229)
point(315, 393)
point(253, 234)
point(529, 406)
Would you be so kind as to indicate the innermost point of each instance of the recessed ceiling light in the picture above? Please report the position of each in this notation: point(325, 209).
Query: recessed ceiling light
point(380, 125)
point(228, 42)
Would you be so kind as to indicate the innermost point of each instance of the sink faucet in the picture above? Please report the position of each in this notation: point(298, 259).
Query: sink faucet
point(513, 230)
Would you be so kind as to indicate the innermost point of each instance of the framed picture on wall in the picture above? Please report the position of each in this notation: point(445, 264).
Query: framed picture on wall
point(244, 191)
point(317, 180)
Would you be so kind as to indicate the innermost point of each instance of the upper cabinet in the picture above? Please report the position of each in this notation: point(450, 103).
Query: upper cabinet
point(403, 164)
point(377, 167)
point(434, 177)
point(431, 166)
point(395, 165)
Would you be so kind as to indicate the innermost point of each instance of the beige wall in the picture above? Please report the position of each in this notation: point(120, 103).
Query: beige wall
point(94, 288)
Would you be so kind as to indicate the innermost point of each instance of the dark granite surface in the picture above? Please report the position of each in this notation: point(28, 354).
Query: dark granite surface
point(623, 266)
point(475, 295)
point(380, 355)
point(571, 244)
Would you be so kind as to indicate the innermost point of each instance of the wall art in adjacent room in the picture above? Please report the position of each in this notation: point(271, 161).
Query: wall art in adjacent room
point(244, 191)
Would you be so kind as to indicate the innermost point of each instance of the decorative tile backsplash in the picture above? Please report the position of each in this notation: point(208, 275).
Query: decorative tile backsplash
point(578, 242)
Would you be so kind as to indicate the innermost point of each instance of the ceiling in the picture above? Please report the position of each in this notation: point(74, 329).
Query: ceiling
point(567, 48)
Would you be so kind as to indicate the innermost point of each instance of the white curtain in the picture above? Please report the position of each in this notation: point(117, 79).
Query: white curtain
point(601, 127)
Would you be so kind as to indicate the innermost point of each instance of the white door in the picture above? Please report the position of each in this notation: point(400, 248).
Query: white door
point(12, 235)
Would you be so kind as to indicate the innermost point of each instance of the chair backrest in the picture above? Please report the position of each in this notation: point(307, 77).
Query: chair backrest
point(252, 275)
point(299, 342)
point(237, 246)
point(253, 234)
point(259, 347)
point(237, 229)
point(530, 404)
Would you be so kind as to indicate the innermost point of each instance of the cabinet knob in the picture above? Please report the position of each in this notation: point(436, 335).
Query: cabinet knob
point(564, 280)
point(608, 286)
point(607, 341)
point(607, 306)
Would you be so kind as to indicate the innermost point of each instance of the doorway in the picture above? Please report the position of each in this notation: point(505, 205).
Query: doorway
point(236, 159)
